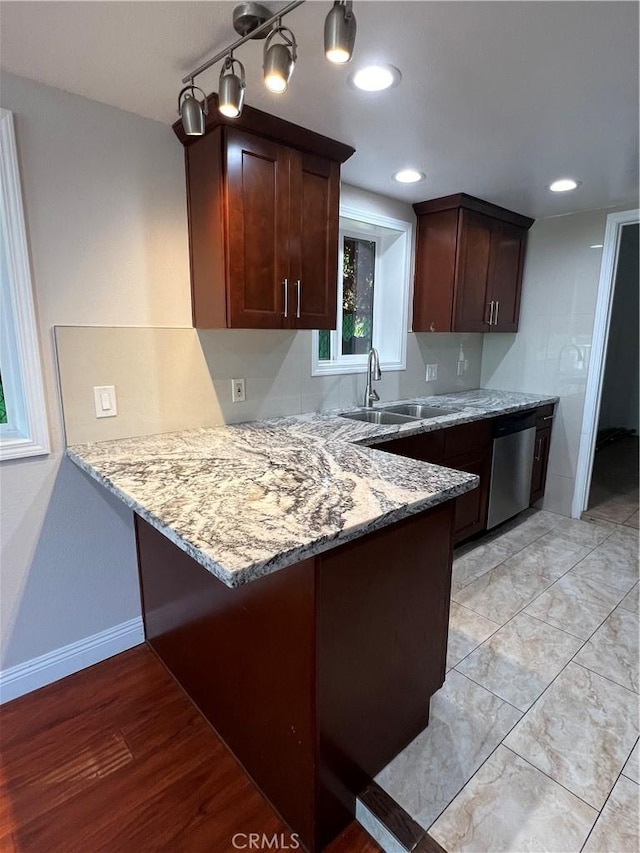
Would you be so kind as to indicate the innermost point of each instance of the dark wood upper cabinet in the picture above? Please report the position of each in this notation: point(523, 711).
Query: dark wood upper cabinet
point(469, 260)
point(471, 306)
point(263, 205)
point(257, 220)
point(315, 200)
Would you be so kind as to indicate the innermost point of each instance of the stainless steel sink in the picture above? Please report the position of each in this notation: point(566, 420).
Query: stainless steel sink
point(418, 411)
point(378, 416)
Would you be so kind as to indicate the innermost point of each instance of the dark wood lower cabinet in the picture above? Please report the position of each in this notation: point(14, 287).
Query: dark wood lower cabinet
point(544, 423)
point(471, 508)
point(317, 675)
point(540, 463)
point(467, 447)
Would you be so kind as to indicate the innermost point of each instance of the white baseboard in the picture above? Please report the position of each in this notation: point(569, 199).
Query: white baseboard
point(38, 672)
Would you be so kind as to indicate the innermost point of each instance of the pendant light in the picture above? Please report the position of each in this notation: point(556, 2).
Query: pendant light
point(340, 32)
point(279, 58)
point(192, 111)
point(231, 88)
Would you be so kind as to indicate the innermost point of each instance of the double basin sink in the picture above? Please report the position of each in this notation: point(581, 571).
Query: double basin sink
point(401, 413)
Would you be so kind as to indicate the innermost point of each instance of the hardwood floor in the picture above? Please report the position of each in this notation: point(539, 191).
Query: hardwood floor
point(117, 759)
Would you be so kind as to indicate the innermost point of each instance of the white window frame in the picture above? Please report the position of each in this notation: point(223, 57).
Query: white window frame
point(26, 432)
point(392, 348)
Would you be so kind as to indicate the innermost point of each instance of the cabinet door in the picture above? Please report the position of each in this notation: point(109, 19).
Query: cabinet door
point(471, 508)
point(540, 463)
point(435, 271)
point(257, 234)
point(472, 271)
point(315, 190)
point(505, 274)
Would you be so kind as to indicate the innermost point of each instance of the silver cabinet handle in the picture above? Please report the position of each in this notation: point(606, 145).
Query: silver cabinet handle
point(285, 283)
point(548, 418)
point(497, 309)
point(298, 298)
point(539, 450)
point(491, 313)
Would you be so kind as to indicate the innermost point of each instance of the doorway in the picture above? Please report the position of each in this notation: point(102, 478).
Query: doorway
point(610, 484)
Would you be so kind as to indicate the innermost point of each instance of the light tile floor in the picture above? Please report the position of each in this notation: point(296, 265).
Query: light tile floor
point(533, 740)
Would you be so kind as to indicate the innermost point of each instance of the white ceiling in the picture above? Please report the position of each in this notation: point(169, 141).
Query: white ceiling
point(497, 98)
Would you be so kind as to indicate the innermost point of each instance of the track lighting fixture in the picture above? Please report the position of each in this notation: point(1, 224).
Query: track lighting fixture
point(340, 32)
point(279, 58)
point(192, 111)
point(231, 88)
point(252, 21)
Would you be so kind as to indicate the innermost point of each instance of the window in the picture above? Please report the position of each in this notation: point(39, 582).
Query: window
point(23, 419)
point(374, 267)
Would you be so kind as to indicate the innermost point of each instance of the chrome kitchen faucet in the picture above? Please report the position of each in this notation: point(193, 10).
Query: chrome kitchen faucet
point(374, 374)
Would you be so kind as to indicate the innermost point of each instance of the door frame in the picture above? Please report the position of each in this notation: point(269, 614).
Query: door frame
point(599, 341)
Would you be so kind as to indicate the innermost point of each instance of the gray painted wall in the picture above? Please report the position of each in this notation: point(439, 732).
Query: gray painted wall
point(105, 209)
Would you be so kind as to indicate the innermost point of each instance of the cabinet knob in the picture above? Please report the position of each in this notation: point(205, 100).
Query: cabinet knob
point(432, 327)
point(285, 284)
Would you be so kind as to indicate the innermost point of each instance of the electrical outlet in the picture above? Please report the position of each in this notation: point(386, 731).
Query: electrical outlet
point(238, 392)
point(104, 401)
point(461, 368)
point(432, 372)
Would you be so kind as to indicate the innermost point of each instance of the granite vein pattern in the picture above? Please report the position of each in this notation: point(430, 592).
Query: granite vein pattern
point(459, 408)
point(244, 503)
point(247, 500)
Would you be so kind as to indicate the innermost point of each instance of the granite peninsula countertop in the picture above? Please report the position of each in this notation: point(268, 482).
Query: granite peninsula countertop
point(247, 500)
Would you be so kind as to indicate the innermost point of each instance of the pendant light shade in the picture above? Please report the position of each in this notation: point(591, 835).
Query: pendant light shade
point(192, 111)
point(231, 88)
point(340, 32)
point(279, 59)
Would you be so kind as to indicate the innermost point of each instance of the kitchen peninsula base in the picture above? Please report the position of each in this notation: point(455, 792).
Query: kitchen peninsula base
point(316, 675)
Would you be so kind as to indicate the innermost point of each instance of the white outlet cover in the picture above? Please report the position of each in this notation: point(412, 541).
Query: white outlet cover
point(238, 391)
point(104, 401)
point(432, 372)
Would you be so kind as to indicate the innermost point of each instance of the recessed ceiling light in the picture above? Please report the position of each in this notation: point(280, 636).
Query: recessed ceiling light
point(375, 78)
point(409, 176)
point(563, 185)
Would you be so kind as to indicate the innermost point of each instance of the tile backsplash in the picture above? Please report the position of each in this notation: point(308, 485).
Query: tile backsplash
point(168, 379)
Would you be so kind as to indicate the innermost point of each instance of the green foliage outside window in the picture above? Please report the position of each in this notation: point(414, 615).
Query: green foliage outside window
point(358, 271)
point(357, 295)
point(3, 408)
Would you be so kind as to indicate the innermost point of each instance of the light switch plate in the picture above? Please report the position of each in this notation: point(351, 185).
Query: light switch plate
point(104, 401)
point(432, 372)
point(238, 392)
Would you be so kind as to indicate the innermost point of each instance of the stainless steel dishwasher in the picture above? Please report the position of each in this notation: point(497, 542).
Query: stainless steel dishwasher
point(514, 439)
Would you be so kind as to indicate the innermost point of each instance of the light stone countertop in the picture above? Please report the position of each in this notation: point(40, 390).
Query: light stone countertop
point(247, 500)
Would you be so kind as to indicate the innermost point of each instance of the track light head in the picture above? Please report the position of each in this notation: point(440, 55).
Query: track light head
point(340, 32)
point(279, 59)
point(192, 111)
point(231, 88)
